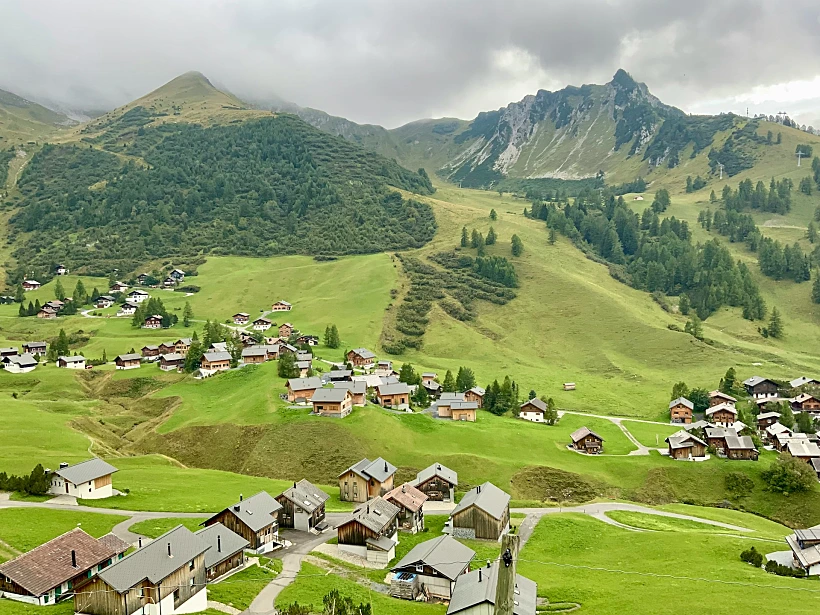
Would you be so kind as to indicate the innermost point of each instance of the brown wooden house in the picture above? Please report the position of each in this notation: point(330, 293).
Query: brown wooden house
point(358, 391)
point(760, 388)
point(475, 394)
point(281, 306)
point(49, 573)
point(722, 414)
point(806, 403)
point(254, 355)
point(286, 330)
point(241, 318)
point(719, 397)
point(167, 574)
point(483, 512)
point(172, 361)
point(684, 445)
point(361, 357)
point(370, 531)
point(34, 348)
point(127, 361)
point(255, 519)
point(226, 552)
point(437, 482)
point(365, 480)
point(167, 348)
point(680, 410)
point(740, 447)
point(766, 419)
point(302, 388)
point(393, 395)
point(216, 361)
point(303, 506)
point(336, 403)
point(411, 504)
point(587, 441)
point(153, 322)
point(431, 567)
point(150, 352)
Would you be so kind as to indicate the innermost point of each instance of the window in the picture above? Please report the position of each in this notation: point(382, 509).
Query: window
point(191, 582)
point(45, 598)
point(191, 565)
point(419, 567)
point(176, 595)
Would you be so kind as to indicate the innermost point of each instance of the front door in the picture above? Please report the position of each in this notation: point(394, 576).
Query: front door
point(66, 486)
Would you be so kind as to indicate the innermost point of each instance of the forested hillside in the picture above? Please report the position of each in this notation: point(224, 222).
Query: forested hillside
point(269, 186)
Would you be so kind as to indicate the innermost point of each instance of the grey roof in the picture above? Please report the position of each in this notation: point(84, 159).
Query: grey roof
point(77, 359)
point(86, 470)
point(382, 543)
point(464, 405)
point(257, 511)
point(304, 384)
point(479, 586)
point(583, 432)
point(255, 351)
point(698, 425)
point(379, 469)
point(777, 428)
point(376, 514)
point(218, 347)
point(740, 443)
point(428, 374)
point(431, 385)
point(303, 364)
point(23, 360)
point(799, 382)
point(173, 356)
point(768, 415)
point(387, 380)
point(487, 497)
point(683, 439)
point(217, 356)
point(815, 463)
point(187, 341)
point(755, 380)
point(538, 403)
point(449, 396)
point(393, 389)
point(137, 291)
point(149, 347)
point(304, 356)
point(331, 396)
point(358, 387)
point(129, 357)
point(719, 432)
point(437, 470)
point(682, 401)
point(364, 353)
point(444, 554)
point(803, 449)
point(340, 373)
point(35, 344)
point(152, 561)
point(305, 495)
point(478, 391)
point(223, 543)
point(808, 556)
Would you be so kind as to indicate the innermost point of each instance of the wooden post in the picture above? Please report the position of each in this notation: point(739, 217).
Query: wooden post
point(505, 585)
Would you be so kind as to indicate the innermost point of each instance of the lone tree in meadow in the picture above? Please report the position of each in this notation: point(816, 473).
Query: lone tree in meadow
point(493, 215)
point(465, 238)
point(187, 315)
point(491, 237)
point(517, 245)
point(775, 324)
point(332, 337)
point(59, 291)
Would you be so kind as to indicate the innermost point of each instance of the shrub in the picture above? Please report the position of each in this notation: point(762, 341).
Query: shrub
point(789, 475)
point(739, 484)
point(752, 556)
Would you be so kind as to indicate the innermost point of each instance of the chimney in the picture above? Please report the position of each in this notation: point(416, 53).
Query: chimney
point(438, 467)
point(294, 484)
point(478, 489)
point(385, 466)
point(218, 543)
point(240, 497)
point(479, 575)
point(63, 465)
point(404, 488)
point(73, 558)
point(139, 542)
point(488, 563)
point(169, 550)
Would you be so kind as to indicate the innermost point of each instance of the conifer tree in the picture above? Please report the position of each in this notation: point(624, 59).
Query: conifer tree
point(31, 311)
point(775, 324)
point(490, 237)
point(474, 239)
point(465, 239)
point(187, 315)
point(684, 305)
point(465, 380)
point(59, 291)
point(517, 245)
point(493, 215)
point(449, 384)
point(552, 236)
point(19, 294)
point(22, 312)
point(815, 290)
point(80, 296)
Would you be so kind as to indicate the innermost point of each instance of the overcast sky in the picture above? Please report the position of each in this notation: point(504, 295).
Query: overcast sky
point(393, 61)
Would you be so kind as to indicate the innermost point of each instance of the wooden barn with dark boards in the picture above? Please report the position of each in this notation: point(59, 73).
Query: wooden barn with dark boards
point(255, 519)
point(226, 552)
point(370, 532)
point(484, 512)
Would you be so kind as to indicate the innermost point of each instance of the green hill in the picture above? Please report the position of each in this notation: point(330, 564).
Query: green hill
point(22, 120)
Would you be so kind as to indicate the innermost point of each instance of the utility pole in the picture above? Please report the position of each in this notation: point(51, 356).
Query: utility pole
point(505, 588)
point(720, 166)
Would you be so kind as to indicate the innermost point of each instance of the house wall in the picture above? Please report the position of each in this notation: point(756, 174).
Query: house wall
point(381, 558)
point(216, 365)
point(128, 364)
point(471, 396)
point(354, 533)
point(680, 414)
point(534, 416)
point(256, 539)
point(255, 359)
point(464, 415)
point(76, 365)
point(340, 410)
point(485, 526)
point(353, 488)
point(16, 369)
point(395, 400)
point(722, 417)
point(85, 491)
point(306, 394)
point(376, 488)
point(436, 489)
point(237, 560)
point(358, 361)
point(581, 444)
point(444, 412)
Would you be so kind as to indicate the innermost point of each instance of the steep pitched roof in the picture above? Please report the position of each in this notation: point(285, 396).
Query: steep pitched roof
point(444, 554)
point(539, 404)
point(681, 401)
point(330, 396)
point(217, 356)
point(740, 443)
point(721, 395)
point(479, 587)
point(407, 496)
point(725, 407)
point(768, 415)
point(376, 514)
point(583, 432)
point(379, 469)
point(683, 439)
point(487, 497)
point(223, 543)
point(128, 357)
point(803, 380)
point(398, 388)
point(364, 353)
point(86, 470)
point(305, 495)
point(357, 387)
point(257, 511)
point(439, 470)
point(304, 384)
point(152, 561)
point(49, 565)
point(803, 449)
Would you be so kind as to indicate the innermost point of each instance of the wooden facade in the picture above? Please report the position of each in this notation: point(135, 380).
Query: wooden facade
point(472, 395)
point(722, 417)
point(218, 365)
point(742, 453)
point(357, 360)
point(237, 560)
point(288, 513)
point(356, 488)
point(679, 413)
point(267, 534)
point(696, 450)
point(127, 362)
point(486, 526)
point(436, 489)
point(591, 443)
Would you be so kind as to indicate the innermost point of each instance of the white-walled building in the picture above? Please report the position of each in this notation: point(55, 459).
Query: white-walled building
point(88, 480)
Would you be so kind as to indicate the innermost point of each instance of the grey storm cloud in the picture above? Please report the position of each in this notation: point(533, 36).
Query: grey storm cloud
point(388, 62)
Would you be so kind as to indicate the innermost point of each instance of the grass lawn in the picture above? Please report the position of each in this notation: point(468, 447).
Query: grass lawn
point(12, 607)
point(26, 528)
point(650, 434)
point(576, 540)
point(240, 589)
point(662, 524)
point(157, 527)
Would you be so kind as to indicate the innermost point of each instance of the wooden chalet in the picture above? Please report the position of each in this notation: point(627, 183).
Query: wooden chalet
point(35, 348)
point(445, 402)
point(142, 278)
point(177, 275)
point(127, 309)
point(532, 410)
point(719, 397)
point(128, 361)
point(411, 504)
point(805, 403)
point(167, 348)
point(393, 395)
point(760, 388)
point(680, 410)
point(483, 512)
point(430, 384)
point(431, 569)
point(104, 301)
point(804, 451)
point(241, 318)
point(255, 519)
point(19, 364)
point(183, 345)
point(437, 482)
point(361, 357)
point(303, 388)
point(340, 375)
point(9, 351)
point(216, 361)
point(286, 330)
point(150, 352)
point(30, 285)
point(740, 447)
point(281, 306)
point(75, 362)
point(262, 324)
point(781, 440)
point(226, 550)
point(49, 573)
point(464, 411)
point(765, 419)
point(60, 269)
point(335, 403)
point(804, 381)
point(476, 394)
point(165, 576)
point(805, 547)
point(153, 322)
point(370, 532)
point(587, 441)
point(365, 480)
point(138, 296)
point(722, 414)
point(171, 361)
point(684, 445)
point(47, 313)
point(118, 287)
point(303, 507)
point(358, 391)
point(307, 340)
point(254, 354)
point(716, 437)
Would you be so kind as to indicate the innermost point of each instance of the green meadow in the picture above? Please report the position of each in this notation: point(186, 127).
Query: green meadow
point(25, 528)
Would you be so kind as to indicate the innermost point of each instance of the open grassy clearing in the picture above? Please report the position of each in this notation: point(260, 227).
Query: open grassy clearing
point(152, 528)
point(582, 541)
point(659, 523)
point(26, 528)
point(762, 527)
point(12, 607)
point(649, 434)
point(240, 589)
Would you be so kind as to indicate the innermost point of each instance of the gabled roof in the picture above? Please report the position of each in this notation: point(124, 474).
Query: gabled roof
point(223, 543)
point(305, 495)
point(439, 470)
point(379, 469)
point(681, 401)
point(740, 443)
point(304, 384)
point(398, 388)
point(263, 320)
point(698, 425)
point(583, 432)
point(478, 391)
point(218, 347)
point(49, 565)
point(539, 404)
point(803, 449)
point(330, 396)
point(255, 351)
point(725, 407)
point(173, 356)
point(777, 428)
point(807, 557)
point(721, 395)
point(444, 554)
point(450, 396)
point(799, 399)
point(487, 497)
point(719, 432)
point(86, 471)
point(357, 387)
point(376, 514)
point(280, 302)
point(150, 347)
point(152, 561)
point(340, 373)
point(34, 345)
point(217, 356)
point(23, 360)
point(755, 380)
point(75, 359)
point(683, 439)
point(128, 357)
point(407, 496)
point(257, 512)
point(803, 380)
point(479, 587)
point(464, 405)
point(364, 353)
point(768, 415)
point(245, 314)
point(137, 291)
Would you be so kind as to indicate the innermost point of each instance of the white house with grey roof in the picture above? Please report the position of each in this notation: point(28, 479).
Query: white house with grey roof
point(88, 480)
point(164, 577)
point(19, 364)
point(432, 568)
point(75, 362)
point(474, 593)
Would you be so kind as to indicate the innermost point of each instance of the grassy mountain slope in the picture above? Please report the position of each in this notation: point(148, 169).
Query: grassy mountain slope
point(22, 120)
